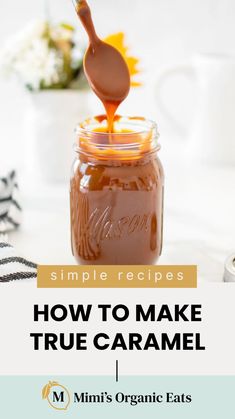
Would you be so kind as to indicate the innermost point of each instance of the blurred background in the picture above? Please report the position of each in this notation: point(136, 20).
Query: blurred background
point(161, 33)
point(177, 91)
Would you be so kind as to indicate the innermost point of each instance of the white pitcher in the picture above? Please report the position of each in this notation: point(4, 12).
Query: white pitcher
point(212, 136)
point(50, 120)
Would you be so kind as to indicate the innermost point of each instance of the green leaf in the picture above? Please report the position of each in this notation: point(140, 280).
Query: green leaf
point(67, 26)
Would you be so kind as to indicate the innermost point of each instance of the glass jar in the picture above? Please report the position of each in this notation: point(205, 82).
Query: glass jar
point(116, 193)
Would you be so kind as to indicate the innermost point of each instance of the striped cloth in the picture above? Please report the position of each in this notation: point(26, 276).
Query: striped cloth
point(10, 209)
point(12, 267)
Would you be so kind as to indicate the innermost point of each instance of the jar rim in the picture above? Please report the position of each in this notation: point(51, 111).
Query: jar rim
point(82, 127)
point(133, 136)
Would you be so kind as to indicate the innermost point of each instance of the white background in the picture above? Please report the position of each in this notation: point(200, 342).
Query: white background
point(200, 205)
point(217, 333)
point(166, 32)
point(199, 219)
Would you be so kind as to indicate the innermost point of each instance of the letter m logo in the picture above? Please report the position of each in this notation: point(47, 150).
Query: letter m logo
point(58, 397)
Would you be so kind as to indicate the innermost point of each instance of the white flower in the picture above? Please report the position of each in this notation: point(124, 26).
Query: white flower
point(39, 64)
point(34, 59)
point(18, 44)
point(62, 32)
point(77, 57)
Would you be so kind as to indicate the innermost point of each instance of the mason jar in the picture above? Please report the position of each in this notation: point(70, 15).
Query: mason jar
point(116, 193)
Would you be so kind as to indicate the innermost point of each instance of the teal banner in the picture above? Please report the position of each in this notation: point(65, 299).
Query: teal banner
point(131, 397)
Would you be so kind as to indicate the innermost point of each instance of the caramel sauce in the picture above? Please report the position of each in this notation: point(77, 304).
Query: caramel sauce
point(116, 211)
point(136, 145)
point(105, 68)
point(116, 195)
point(117, 182)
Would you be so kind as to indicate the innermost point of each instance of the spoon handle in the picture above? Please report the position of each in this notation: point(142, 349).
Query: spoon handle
point(84, 13)
point(76, 3)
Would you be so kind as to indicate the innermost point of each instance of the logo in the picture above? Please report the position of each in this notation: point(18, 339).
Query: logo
point(100, 225)
point(59, 398)
point(56, 395)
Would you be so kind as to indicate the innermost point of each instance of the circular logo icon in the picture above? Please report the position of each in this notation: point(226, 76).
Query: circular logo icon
point(57, 395)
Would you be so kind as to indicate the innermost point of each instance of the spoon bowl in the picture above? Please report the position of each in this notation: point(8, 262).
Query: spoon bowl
point(107, 72)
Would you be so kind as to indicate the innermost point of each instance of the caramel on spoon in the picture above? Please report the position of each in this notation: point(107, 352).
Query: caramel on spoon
point(104, 66)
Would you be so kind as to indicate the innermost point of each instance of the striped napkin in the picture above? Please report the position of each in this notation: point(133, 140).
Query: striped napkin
point(10, 209)
point(12, 267)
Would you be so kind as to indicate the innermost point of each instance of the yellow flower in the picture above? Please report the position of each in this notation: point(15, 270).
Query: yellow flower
point(117, 40)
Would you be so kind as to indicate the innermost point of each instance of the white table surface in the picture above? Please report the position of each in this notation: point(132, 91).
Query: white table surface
point(199, 223)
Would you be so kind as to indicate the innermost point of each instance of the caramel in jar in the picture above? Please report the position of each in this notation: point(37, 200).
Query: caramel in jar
point(116, 193)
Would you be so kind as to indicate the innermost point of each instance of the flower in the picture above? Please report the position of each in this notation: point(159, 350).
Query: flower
point(117, 40)
point(43, 56)
point(47, 56)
